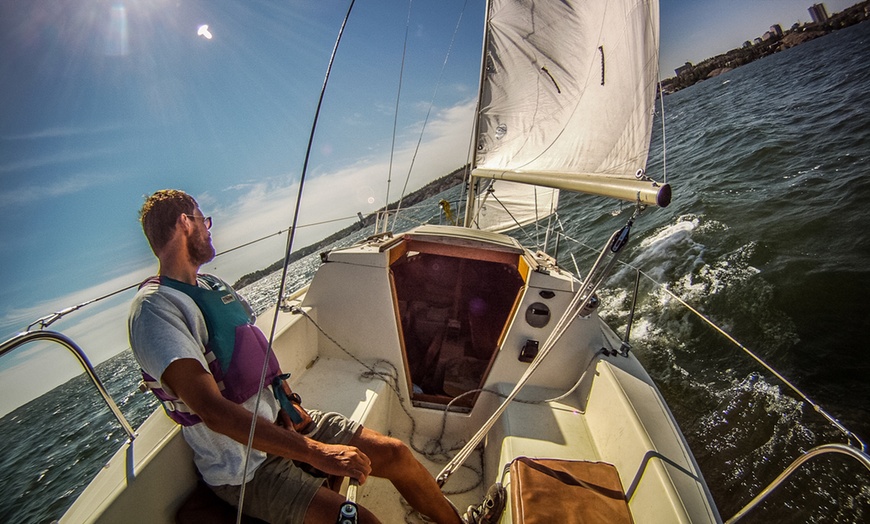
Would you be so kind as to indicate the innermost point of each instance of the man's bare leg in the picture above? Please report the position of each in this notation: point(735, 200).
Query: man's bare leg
point(391, 459)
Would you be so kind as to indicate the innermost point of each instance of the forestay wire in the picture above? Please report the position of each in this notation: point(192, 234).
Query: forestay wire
point(396, 110)
point(428, 112)
point(287, 253)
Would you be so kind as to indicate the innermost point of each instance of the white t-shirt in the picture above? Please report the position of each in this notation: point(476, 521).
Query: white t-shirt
point(166, 325)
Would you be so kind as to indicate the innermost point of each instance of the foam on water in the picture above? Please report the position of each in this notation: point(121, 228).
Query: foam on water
point(742, 427)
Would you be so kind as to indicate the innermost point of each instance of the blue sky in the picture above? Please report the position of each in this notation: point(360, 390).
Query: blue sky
point(104, 102)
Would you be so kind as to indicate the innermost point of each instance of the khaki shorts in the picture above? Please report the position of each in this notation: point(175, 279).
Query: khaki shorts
point(280, 491)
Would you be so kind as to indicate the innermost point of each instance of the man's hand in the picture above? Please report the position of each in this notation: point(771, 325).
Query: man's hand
point(345, 461)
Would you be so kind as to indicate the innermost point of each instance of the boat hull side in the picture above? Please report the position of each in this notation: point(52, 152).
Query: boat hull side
point(164, 477)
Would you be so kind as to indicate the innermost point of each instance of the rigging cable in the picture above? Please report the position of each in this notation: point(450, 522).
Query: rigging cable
point(396, 120)
point(49, 319)
point(287, 252)
point(491, 191)
point(649, 20)
point(664, 146)
point(765, 365)
point(431, 104)
point(600, 271)
point(281, 232)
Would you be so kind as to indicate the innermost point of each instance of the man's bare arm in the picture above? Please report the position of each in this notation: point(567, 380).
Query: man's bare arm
point(197, 388)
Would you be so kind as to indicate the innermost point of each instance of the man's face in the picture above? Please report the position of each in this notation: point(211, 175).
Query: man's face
point(199, 247)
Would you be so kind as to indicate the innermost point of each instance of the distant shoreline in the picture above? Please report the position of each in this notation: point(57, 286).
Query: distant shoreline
point(429, 190)
point(798, 34)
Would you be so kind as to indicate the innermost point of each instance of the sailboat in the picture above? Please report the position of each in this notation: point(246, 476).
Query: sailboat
point(487, 357)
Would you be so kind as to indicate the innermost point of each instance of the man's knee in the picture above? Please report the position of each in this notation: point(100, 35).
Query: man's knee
point(396, 452)
point(391, 458)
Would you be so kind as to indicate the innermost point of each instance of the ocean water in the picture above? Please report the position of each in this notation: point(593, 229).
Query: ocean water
point(54, 445)
point(768, 235)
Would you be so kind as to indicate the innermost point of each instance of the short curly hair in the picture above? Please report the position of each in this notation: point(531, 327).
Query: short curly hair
point(160, 213)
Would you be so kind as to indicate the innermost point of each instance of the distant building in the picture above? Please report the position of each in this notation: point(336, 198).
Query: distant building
point(683, 68)
point(747, 44)
point(758, 40)
point(776, 30)
point(818, 13)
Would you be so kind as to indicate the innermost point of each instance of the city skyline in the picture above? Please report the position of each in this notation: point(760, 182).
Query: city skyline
point(697, 31)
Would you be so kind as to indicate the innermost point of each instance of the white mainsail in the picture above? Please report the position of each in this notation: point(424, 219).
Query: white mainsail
point(567, 96)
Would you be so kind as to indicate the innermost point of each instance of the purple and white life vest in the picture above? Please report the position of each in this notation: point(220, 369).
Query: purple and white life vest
point(235, 352)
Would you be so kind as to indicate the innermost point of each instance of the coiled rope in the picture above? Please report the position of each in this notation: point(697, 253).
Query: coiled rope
point(434, 449)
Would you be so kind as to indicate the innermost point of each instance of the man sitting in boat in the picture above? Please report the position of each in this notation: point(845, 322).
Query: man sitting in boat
point(199, 351)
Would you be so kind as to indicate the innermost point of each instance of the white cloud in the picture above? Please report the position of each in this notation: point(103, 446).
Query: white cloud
point(63, 132)
point(65, 186)
point(267, 207)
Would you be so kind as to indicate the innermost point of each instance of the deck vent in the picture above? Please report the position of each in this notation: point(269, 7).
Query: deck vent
point(538, 315)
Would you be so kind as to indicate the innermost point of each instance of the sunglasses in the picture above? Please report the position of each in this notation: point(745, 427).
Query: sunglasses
point(205, 220)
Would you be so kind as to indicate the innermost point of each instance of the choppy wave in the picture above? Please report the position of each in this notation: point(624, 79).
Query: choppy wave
point(740, 424)
point(771, 243)
point(54, 445)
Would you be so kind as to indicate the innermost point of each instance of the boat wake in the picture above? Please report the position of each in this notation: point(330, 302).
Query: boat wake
point(740, 423)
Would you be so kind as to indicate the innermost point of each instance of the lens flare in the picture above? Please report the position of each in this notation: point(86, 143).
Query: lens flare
point(116, 35)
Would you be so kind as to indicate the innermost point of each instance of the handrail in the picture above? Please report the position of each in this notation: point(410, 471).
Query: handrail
point(858, 455)
point(53, 336)
point(647, 458)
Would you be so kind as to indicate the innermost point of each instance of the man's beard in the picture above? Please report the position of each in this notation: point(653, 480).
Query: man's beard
point(200, 250)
